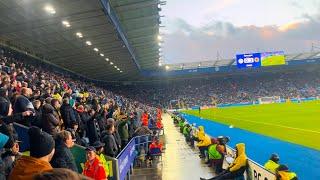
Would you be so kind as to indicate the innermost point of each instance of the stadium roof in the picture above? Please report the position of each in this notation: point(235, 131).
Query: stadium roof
point(100, 39)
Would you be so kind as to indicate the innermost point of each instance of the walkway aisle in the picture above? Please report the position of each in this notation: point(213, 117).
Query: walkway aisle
point(180, 162)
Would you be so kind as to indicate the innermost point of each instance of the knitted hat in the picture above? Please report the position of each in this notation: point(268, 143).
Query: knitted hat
point(41, 143)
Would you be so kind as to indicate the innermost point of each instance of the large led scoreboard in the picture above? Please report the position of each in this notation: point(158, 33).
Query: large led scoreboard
point(260, 59)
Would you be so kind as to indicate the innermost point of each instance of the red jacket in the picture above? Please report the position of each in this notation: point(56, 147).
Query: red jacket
point(145, 119)
point(159, 124)
point(154, 145)
point(94, 170)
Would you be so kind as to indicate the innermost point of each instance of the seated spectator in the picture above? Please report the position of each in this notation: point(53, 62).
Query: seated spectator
point(283, 173)
point(273, 163)
point(237, 168)
point(156, 144)
point(63, 157)
point(41, 152)
point(204, 141)
point(216, 152)
point(93, 168)
point(59, 174)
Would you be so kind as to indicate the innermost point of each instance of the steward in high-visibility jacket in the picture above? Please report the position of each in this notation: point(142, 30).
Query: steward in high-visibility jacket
point(273, 163)
point(145, 119)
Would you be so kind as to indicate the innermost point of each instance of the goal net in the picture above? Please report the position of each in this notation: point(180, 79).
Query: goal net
point(269, 100)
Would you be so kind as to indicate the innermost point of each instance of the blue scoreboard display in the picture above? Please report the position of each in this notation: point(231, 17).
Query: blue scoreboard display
point(248, 60)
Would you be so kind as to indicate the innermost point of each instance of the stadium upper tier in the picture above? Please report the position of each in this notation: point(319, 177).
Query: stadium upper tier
point(100, 39)
point(230, 62)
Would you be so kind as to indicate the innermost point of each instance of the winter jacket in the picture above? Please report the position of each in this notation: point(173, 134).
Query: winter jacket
point(94, 170)
point(63, 157)
point(123, 130)
point(111, 148)
point(201, 133)
point(9, 159)
point(271, 166)
point(50, 122)
point(204, 141)
point(241, 160)
point(93, 131)
point(142, 131)
point(286, 175)
point(67, 115)
point(26, 167)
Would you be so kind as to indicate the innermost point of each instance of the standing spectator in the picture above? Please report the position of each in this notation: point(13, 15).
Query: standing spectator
point(3, 140)
point(50, 121)
point(37, 121)
point(56, 111)
point(123, 130)
point(273, 163)
point(67, 113)
point(63, 157)
point(93, 132)
point(41, 153)
point(23, 104)
point(93, 168)
point(111, 148)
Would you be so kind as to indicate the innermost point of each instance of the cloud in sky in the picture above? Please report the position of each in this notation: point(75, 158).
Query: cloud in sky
point(185, 41)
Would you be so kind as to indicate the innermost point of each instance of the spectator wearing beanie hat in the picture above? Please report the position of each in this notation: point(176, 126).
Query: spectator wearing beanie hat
point(41, 152)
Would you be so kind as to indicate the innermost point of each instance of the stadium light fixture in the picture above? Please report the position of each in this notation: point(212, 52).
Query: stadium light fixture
point(107, 59)
point(79, 34)
point(120, 71)
point(101, 54)
point(115, 67)
point(167, 67)
point(66, 23)
point(88, 43)
point(159, 43)
point(111, 63)
point(96, 49)
point(199, 65)
point(159, 38)
point(50, 9)
point(160, 64)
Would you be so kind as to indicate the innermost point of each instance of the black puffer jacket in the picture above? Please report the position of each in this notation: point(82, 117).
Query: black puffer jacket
point(63, 157)
point(67, 115)
point(50, 122)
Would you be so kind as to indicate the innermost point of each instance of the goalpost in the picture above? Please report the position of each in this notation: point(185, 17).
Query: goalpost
point(269, 100)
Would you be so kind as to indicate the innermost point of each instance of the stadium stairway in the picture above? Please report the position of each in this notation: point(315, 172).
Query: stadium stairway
point(179, 161)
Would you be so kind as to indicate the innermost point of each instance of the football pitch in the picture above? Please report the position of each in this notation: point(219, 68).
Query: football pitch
point(297, 123)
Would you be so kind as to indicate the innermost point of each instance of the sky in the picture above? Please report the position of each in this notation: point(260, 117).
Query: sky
point(202, 30)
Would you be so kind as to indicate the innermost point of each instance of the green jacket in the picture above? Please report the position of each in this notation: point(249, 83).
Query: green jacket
point(123, 130)
point(213, 152)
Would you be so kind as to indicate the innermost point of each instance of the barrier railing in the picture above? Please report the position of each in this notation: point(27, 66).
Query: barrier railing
point(254, 171)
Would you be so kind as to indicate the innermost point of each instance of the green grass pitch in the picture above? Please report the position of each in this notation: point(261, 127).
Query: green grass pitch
point(292, 122)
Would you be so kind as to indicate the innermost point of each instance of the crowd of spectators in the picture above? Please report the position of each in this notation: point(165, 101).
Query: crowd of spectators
point(228, 89)
point(61, 110)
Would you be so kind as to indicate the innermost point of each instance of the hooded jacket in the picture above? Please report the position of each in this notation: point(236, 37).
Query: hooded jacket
point(241, 159)
point(26, 167)
point(206, 141)
point(201, 133)
point(50, 122)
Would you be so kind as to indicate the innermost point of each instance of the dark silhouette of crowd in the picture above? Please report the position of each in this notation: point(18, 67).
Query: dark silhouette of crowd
point(61, 109)
point(227, 89)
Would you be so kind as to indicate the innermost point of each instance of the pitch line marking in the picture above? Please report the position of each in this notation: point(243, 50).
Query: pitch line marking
point(287, 127)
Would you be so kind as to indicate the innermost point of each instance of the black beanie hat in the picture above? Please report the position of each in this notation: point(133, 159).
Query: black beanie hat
point(41, 143)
